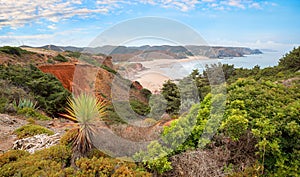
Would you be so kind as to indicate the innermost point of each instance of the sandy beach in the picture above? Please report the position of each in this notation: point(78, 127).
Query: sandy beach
point(161, 70)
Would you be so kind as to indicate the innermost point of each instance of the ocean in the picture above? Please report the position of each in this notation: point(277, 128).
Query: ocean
point(182, 69)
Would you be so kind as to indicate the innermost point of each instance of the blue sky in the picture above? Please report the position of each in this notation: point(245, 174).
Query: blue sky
point(252, 23)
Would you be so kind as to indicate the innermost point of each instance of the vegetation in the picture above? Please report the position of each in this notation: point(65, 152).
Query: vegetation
point(25, 103)
point(171, 93)
point(31, 130)
point(8, 94)
point(261, 109)
point(291, 61)
point(32, 113)
point(253, 131)
point(158, 106)
point(109, 69)
point(45, 88)
point(139, 107)
point(55, 161)
point(60, 58)
point(73, 54)
point(14, 51)
point(84, 109)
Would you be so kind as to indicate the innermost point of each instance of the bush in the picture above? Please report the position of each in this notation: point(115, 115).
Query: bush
point(55, 161)
point(14, 50)
point(47, 162)
point(109, 69)
point(12, 156)
point(60, 58)
point(147, 93)
point(171, 93)
point(73, 54)
point(108, 167)
point(139, 107)
point(31, 130)
point(291, 61)
point(270, 112)
point(46, 89)
point(8, 94)
point(32, 113)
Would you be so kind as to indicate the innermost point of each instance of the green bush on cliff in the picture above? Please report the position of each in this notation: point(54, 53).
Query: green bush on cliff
point(139, 107)
point(31, 130)
point(60, 58)
point(45, 88)
point(14, 50)
point(32, 113)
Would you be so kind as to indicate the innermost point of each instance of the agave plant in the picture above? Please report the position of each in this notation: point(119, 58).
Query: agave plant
point(25, 103)
point(84, 109)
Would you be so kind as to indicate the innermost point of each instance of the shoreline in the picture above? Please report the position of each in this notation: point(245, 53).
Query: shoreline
point(158, 71)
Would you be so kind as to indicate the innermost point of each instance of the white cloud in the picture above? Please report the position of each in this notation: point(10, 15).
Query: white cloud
point(234, 3)
point(18, 13)
point(255, 5)
point(53, 27)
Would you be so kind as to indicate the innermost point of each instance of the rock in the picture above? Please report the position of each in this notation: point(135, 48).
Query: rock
point(137, 85)
point(37, 142)
point(108, 62)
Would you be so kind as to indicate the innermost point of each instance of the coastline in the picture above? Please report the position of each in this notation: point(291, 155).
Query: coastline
point(160, 70)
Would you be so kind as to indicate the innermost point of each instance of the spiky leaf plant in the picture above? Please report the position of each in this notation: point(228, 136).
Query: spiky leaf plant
point(84, 109)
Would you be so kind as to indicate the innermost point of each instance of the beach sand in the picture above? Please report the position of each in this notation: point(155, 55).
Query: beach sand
point(161, 70)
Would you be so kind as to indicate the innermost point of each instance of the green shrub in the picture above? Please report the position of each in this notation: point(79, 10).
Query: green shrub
point(32, 113)
point(109, 69)
point(11, 156)
point(30, 120)
point(3, 103)
point(156, 158)
point(50, 61)
point(271, 112)
point(291, 61)
point(107, 167)
point(60, 58)
point(171, 93)
point(31, 130)
point(14, 50)
point(45, 88)
point(73, 54)
point(8, 94)
point(139, 107)
point(47, 162)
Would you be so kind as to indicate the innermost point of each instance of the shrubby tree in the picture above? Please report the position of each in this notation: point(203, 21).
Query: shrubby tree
point(158, 105)
point(291, 60)
point(46, 89)
point(171, 93)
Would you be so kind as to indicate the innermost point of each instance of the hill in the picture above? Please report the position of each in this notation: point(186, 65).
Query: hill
point(147, 52)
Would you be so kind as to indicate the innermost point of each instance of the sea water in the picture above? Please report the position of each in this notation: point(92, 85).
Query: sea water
point(267, 59)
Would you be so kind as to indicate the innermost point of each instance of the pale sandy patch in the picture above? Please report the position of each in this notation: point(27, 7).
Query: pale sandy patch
point(155, 75)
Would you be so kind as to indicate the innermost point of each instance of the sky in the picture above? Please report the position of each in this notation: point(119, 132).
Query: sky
point(263, 24)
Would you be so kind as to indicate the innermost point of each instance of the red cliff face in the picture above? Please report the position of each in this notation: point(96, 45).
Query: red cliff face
point(84, 77)
point(63, 72)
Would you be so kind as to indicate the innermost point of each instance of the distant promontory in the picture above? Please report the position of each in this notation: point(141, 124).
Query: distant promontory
point(147, 52)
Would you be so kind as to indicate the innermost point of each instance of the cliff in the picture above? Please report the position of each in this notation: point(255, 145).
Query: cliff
point(78, 76)
point(146, 52)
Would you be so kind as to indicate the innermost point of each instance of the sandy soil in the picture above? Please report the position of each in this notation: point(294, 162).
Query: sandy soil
point(159, 71)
